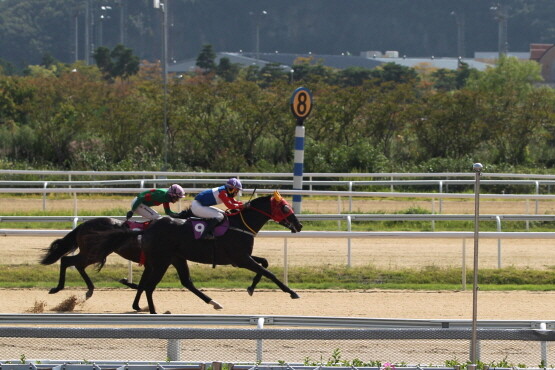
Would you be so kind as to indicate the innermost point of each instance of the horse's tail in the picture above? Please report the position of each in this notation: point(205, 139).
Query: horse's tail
point(60, 247)
point(108, 241)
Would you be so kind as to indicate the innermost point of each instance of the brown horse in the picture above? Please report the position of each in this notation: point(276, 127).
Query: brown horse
point(89, 253)
point(169, 239)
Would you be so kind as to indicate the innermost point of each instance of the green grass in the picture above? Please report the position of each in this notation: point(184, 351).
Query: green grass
point(313, 277)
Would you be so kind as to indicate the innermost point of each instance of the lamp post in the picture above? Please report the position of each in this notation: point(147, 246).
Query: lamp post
point(500, 14)
point(76, 36)
point(258, 16)
point(87, 27)
point(121, 23)
point(459, 18)
point(164, 8)
point(104, 9)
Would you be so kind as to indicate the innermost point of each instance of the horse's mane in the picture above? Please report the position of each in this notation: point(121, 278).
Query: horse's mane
point(186, 213)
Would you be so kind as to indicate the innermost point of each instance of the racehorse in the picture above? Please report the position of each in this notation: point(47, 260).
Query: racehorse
point(89, 253)
point(168, 239)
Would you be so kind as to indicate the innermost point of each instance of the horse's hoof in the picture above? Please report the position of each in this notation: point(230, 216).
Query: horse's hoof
point(123, 281)
point(216, 305)
point(250, 290)
point(89, 294)
point(137, 308)
point(295, 295)
point(53, 291)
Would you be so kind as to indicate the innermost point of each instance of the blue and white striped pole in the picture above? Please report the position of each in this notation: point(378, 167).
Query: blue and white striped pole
point(301, 105)
point(298, 167)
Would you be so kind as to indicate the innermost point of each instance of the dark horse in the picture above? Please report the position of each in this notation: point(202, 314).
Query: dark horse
point(89, 252)
point(170, 239)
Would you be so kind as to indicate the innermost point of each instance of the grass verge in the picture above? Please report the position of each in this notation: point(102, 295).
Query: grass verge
point(313, 277)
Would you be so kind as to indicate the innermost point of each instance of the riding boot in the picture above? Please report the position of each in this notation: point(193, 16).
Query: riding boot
point(208, 232)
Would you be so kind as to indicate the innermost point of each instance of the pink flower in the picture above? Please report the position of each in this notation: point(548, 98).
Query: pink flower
point(387, 366)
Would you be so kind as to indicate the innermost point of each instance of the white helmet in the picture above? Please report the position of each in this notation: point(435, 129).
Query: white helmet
point(176, 191)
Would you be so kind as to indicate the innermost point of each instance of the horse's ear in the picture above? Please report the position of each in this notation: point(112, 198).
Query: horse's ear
point(277, 196)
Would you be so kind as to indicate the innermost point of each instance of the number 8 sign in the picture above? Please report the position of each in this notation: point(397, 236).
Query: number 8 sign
point(301, 103)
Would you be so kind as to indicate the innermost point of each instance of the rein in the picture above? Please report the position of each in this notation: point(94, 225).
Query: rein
point(252, 232)
point(245, 223)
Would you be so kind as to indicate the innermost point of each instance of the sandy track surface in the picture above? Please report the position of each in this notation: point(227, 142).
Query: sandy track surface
point(389, 253)
point(514, 305)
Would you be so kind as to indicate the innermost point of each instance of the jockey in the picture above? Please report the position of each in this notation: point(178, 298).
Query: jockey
point(154, 197)
point(202, 205)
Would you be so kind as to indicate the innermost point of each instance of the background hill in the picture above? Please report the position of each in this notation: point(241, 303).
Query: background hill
point(29, 29)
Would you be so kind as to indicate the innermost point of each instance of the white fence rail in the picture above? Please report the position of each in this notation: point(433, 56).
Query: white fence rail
point(307, 175)
point(255, 320)
point(182, 331)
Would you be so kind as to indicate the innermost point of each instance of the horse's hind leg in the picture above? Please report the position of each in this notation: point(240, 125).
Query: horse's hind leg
point(250, 264)
point(185, 278)
point(88, 281)
point(68, 261)
point(257, 277)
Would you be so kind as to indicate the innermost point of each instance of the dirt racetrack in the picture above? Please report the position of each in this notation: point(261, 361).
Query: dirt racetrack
point(514, 305)
point(393, 253)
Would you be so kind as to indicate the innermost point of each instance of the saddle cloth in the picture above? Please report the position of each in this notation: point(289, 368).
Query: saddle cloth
point(134, 225)
point(199, 224)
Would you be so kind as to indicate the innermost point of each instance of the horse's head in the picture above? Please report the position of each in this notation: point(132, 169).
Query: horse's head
point(283, 213)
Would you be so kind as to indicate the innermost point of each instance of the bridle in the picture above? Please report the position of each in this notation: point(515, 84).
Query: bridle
point(280, 211)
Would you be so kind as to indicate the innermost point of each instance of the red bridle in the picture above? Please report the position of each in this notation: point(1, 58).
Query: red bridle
point(276, 210)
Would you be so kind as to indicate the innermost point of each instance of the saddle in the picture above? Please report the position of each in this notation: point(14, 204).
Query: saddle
point(134, 225)
point(199, 224)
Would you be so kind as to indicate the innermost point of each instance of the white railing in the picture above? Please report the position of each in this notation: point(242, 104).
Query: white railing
point(176, 328)
point(254, 320)
point(309, 175)
point(339, 194)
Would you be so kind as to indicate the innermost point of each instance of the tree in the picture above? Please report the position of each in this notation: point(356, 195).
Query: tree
point(120, 62)
point(206, 59)
point(395, 73)
point(227, 70)
point(354, 76)
point(506, 93)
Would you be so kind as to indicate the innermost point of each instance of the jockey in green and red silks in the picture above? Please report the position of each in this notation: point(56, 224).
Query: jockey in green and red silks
point(154, 197)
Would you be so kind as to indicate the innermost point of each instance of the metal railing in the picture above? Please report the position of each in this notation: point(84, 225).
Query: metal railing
point(183, 337)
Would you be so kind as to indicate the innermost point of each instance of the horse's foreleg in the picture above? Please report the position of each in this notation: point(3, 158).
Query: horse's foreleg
point(257, 277)
point(139, 288)
point(135, 304)
point(150, 279)
point(185, 278)
point(250, 264)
